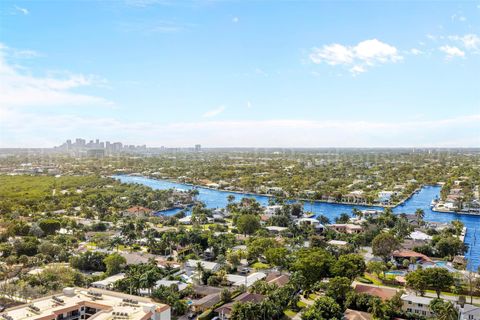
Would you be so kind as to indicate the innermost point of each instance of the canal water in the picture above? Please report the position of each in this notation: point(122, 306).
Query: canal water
point(420, 200)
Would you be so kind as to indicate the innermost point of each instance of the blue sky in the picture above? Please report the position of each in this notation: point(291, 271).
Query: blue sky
point(240, 73)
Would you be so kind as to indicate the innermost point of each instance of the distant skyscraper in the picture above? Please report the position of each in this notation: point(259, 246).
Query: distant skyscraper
point(198, 147)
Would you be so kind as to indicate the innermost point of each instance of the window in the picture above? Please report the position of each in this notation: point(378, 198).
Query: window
point(420, 305)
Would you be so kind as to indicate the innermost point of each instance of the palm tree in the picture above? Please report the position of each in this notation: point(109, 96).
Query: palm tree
point(115, 242)
point(419, 214)
point(357, 213)
point(200, 270)
point(443, 310)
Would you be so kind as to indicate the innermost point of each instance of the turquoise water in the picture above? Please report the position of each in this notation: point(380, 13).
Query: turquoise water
point(422, 200)
point(396, 273)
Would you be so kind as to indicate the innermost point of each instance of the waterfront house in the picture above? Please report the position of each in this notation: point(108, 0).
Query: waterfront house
point(276, 230)
point(384, 196)
point(357, 197)
point(400, 255)
point(371, 213)
point(137, 211)
point(271, 210)
point(348, 228)
point(311, 222)
point(419, 236)
point(185, 220)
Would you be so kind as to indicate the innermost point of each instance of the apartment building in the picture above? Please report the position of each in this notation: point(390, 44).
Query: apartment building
point(92, 304)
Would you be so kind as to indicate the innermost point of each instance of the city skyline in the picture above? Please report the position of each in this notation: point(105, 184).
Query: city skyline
point(232, 74)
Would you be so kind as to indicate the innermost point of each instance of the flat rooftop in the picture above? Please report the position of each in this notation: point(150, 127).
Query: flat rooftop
point(137, 308)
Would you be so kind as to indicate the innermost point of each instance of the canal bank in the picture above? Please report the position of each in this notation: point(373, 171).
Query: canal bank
point(245, 193)
point(421, 200)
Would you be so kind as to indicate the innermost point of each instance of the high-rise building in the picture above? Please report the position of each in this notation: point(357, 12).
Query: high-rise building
point(198, 147)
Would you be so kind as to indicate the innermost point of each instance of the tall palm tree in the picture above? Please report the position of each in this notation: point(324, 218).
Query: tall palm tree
point(357, 213)
point(419, 214)
point(448, 312)
point(443, 310)
point(200, 270)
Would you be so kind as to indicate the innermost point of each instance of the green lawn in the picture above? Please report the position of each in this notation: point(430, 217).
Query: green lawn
point(260, 265)
point(312, 296)
point(374, 280)
point(290, 313)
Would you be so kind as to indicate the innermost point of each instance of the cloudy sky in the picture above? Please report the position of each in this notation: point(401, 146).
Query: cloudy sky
point(236, 73)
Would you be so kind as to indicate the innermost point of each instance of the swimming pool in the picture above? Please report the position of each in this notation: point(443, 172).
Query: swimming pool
point(396, 273)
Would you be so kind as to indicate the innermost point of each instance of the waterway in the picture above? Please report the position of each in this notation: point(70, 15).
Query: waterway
point(421, 200)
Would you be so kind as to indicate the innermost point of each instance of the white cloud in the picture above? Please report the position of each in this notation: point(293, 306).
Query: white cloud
point(23, 11)
point(459, 17)
point(154, 26)
point(332, 54)
point(373, 51)
point(360, 57)
point(18, 88)
point(214, 112)
point(451, 51)
point(416, 51)
point(357, 69)
point(249, 104)
point(469, 41)
point(235, 19)
point(261, 72)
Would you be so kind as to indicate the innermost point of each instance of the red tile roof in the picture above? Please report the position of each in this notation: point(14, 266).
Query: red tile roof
point(382, 293)
point(226, 309)
point(407, 254)
point(356, 315)
point(139, 209)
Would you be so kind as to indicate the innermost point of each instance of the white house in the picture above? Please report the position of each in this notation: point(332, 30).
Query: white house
point(191, 265)
point(417, 305)
point(384, 196)
point(107, 283)
point(237, 280)
point(419, 235)
point(271, 210)
point(469, 312)
point(311, 222)
point(186, 220)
